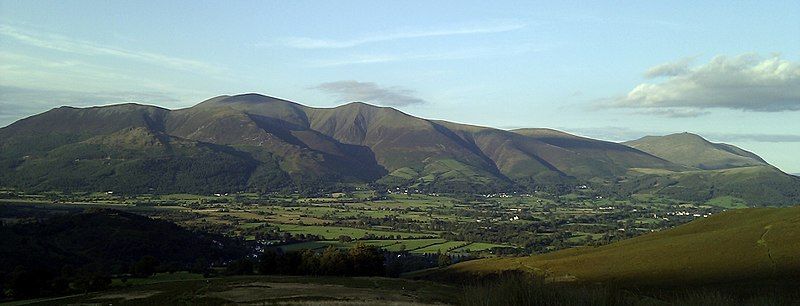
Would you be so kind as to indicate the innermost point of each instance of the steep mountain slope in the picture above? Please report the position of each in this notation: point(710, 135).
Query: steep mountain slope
point(734, 245)
point(694, 151)
point(260, 143)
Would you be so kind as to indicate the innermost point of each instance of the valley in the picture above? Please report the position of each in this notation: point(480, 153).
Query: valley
point(458, 225)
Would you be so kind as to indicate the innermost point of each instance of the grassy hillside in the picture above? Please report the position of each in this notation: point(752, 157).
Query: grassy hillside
point(694, 151)
point(132, 160)
point(740, 244)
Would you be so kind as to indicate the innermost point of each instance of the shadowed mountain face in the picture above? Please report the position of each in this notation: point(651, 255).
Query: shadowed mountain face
point(255, 142)
point(694, 151)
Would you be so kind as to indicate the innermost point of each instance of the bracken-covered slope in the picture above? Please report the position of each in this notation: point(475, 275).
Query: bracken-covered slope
point(260, 143)
point(695, 151)
point(740, 244)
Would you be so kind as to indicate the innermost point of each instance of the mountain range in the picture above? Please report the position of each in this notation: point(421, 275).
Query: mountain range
point(259, 143)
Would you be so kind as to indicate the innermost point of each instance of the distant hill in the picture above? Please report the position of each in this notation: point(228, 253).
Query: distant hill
point(259, 143)
point(694, 151)
point(756, 185)
point(742, 244)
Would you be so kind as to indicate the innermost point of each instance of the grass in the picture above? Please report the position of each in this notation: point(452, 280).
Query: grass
point(157, 278)
point(516, 289)
point(738, 244)
point(728, 202)
point(268, 290)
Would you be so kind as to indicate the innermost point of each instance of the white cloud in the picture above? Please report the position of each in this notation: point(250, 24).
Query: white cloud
point(65, 44)
point(313, 43)
point(371, 93)
point(671, 69)
point(746, 82)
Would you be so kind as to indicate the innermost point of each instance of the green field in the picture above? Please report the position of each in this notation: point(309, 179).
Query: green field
point(333, 232)
point(727, 202)
point(477, 247)
point(416, 246)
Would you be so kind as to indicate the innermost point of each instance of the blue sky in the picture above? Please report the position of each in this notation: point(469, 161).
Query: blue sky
point(612, 70)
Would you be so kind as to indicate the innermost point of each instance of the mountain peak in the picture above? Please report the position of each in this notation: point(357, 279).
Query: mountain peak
point(365, 105)
point(695, 151)
point(248, 98)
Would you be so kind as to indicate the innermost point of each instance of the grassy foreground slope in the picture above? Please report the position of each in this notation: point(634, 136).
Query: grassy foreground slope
point(266, 290)
point(735, 245)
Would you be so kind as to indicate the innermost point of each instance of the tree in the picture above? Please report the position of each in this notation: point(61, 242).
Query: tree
point(444, 260)
point(268, 262)
point(92, 277)
point(240, 267)
point(309, 263)
point(333, 262)
point(366, 260)
point(145, 267)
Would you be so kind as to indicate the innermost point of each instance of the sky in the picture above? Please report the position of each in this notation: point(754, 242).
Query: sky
point(727, 70)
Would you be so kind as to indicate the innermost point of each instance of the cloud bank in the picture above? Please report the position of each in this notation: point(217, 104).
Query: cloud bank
point(371, 93)
point(746, 82)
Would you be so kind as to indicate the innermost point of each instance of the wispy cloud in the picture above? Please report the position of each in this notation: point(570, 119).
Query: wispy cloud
point(470, 53)
point(675, 112)
point(24, 71)
point(746, 82)
point(18, 102)
point(371, 93)
point(315, 43)
point(63, 43)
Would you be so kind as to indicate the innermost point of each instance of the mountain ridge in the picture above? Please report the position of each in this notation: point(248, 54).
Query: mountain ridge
point(274, 143)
